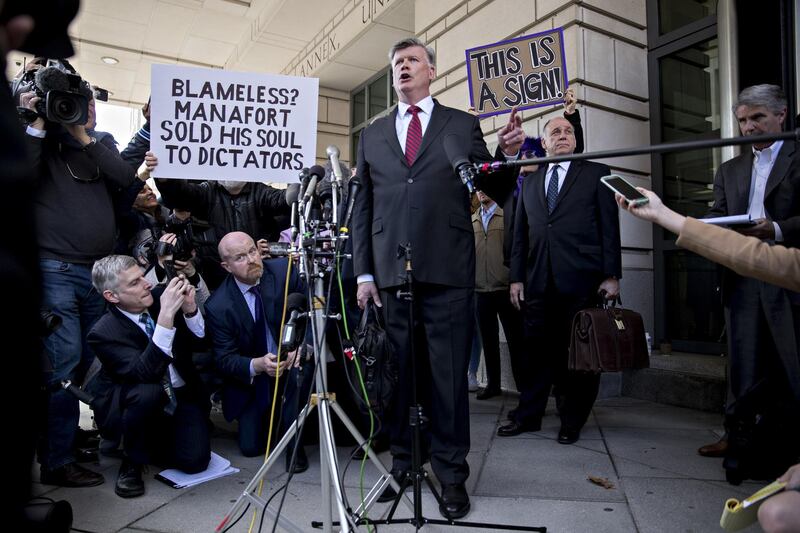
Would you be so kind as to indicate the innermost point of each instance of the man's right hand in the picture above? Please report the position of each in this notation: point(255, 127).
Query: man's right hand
point(269, 364)
point(368, 290)
point(517, 294)
point(29, 101)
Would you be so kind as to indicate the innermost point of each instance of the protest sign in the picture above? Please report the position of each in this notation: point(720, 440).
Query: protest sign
point(525, 72)
point(218, 124)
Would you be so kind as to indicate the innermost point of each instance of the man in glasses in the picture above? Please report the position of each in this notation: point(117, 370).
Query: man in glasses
point(78, 171)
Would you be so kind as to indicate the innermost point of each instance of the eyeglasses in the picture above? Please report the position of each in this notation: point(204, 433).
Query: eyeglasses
point(240, 258)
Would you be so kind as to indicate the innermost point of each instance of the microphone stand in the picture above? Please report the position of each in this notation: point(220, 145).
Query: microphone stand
point(417, 420)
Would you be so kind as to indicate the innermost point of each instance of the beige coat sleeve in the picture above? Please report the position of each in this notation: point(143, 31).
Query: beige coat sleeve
point(747, 256)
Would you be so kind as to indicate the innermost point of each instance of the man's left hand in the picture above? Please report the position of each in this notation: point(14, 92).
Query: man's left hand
point(611, 286)
point(764, 230)
point(189, 301)
point(511, 136)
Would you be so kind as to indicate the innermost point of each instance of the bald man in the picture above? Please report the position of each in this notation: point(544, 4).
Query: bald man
point(244, 317)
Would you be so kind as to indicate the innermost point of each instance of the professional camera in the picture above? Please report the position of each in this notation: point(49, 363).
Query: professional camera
point(184, 244)
point(65, 95)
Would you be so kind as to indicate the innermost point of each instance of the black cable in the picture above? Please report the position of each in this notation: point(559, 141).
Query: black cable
point(244, 512)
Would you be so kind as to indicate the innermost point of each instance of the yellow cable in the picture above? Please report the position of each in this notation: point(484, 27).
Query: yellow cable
point(277, 381)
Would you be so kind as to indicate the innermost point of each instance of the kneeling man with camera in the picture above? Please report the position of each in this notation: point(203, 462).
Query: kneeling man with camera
point(156, 400)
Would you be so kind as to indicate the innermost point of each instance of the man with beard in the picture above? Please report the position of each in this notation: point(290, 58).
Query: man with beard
point(244, 317)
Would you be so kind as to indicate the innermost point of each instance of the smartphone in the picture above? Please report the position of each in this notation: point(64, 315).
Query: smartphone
point(620, 185)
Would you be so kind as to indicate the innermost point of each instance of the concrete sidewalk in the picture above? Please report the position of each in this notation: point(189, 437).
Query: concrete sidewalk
point(646, 450)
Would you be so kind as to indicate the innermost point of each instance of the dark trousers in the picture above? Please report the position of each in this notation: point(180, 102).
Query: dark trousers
point(444, 321)
point(547, 323)
point(492, 305)
point(254, 419)
point(179, 441)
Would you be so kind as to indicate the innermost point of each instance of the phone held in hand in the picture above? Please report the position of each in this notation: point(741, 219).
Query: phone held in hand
point(620, 185)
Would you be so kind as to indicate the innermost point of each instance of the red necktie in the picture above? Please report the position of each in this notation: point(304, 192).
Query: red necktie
point(414, 136)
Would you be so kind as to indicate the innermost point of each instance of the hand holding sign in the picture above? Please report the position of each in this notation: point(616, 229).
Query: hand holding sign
point(511, 136)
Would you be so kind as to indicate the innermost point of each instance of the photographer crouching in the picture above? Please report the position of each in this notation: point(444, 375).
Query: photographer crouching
point(156, 400)
point(78, 172)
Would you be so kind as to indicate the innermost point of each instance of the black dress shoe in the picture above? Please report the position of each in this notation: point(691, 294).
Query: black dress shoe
point(300, 462)
point(129, 480)
point(485, 394)
point(568, 436)
point(514, 428)
point(86, 455)
point(455, 501)
point(389, 493)
point(71, 475)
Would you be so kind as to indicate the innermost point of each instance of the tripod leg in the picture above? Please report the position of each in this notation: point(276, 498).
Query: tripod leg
point(249, 490)
point(331, 472)
point(386, 477)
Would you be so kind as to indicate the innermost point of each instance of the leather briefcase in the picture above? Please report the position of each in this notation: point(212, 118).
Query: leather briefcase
point(608, 339)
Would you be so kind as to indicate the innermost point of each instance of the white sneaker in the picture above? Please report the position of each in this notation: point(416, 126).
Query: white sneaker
point(472, 382)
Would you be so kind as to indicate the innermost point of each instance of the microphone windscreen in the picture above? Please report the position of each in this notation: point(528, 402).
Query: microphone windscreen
point(454, 151)
point(324, 188)
point(51, 79)
point(296, 301)
point(318, 171)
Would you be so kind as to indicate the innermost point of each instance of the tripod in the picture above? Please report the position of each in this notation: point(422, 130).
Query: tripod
point(325, 402)
point(417, 474)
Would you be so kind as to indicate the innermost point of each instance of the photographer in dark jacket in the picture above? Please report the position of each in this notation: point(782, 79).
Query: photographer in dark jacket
point(227, 206)
point(78, 172)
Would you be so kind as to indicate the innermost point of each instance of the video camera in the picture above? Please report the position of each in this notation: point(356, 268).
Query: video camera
point(65, 95)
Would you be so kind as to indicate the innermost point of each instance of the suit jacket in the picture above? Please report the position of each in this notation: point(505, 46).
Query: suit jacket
point(424, 204)
point(129, 357)
point(578, 243)
point(231, 328)
point(732, 184)
point(747, 256)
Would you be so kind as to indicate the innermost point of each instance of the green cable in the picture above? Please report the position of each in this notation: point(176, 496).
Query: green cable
point(363, 390)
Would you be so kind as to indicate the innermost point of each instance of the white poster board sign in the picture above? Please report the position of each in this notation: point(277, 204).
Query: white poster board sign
point(217, 124)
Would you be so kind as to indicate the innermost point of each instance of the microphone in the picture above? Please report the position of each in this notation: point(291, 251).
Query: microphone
point(459, 160)
point(325, 197)
point(333, 155)
point(352, 191)
point(317, 173)
point(51, 79)
point(296, 307)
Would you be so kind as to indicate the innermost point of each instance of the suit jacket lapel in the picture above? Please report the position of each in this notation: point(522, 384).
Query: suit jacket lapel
point(744, 183)
point(439, 117)
point(127, 324)
point(537, 182)
point(780, 168)
point(569, 180)
point(390, 132)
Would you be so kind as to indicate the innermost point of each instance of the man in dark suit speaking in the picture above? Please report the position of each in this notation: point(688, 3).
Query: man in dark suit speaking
point(566, 250)
point(244, 317)
point(411, 194)
point(155, 398)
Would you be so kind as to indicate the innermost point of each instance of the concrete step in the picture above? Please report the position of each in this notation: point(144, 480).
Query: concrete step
point(681, 379)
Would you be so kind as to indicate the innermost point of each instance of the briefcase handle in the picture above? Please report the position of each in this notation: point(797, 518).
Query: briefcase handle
point(610, 302)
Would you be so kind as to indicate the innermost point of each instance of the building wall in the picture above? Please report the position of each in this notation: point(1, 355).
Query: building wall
point(333, 124)
point(605, 44)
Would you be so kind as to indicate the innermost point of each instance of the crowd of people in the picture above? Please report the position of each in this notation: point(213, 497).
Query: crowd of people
point(143, 288)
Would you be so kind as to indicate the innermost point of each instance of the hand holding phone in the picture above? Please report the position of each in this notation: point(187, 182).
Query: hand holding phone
point(621, 186)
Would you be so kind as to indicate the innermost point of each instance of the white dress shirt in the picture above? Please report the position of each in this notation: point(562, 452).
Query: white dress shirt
point(163, 338)
point(562, 173)
point(763, 161)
